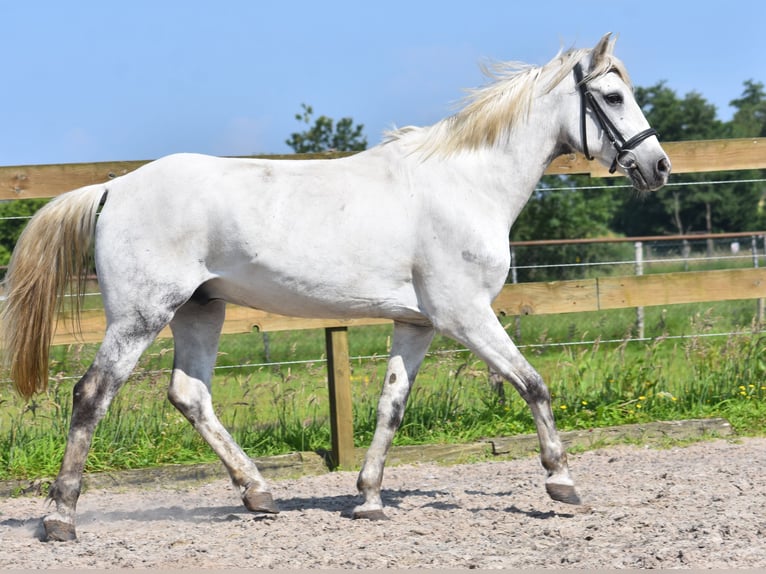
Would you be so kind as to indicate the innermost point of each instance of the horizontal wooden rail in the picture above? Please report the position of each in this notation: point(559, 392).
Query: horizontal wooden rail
point(696, 156)
point(515, 299)
point(631, 291)
point(42, 181)
point(643, 239)
point(238, 320)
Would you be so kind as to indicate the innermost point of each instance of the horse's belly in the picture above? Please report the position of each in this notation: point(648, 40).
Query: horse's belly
point(329, 298)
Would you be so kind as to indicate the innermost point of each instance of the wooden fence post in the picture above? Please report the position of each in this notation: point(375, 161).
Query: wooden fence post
point(514, 280)
point(339, 383)
point(759, 302)
point(638, 249)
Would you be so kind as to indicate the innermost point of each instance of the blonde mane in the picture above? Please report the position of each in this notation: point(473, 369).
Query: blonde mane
point(490, 112)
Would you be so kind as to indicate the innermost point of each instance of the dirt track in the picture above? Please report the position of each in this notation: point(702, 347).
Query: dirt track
point(702, 506)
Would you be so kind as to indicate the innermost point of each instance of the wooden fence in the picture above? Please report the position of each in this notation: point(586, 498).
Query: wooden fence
point(43, 181)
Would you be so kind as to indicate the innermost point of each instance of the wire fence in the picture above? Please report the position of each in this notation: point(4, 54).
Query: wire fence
point(649, 254)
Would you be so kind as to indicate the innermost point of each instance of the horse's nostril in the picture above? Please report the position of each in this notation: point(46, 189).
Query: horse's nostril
point(663, 166)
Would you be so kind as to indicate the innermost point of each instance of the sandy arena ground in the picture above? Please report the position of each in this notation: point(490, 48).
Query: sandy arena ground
point(701, 506)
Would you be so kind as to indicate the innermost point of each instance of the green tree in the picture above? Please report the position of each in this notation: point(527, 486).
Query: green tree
point(750, 117)
point(14, 215)
point(326, 135)
point(750, 121)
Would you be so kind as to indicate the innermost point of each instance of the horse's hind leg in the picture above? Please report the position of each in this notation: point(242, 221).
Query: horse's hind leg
point(409, 346)
point(91, 398)
point(196, 329)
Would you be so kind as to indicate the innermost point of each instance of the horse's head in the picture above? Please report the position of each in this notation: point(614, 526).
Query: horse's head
point(612, 127)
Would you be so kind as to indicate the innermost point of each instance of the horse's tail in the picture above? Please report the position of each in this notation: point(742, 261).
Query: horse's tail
point(51, 259)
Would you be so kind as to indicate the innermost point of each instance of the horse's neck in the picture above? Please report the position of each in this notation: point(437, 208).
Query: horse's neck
point(506, 174)
point(534, 144)
point(509, 174)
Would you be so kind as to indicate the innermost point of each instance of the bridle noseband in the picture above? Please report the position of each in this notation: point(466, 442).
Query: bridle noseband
point(621, 146)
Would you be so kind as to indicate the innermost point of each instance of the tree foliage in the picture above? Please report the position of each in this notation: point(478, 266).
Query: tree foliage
point(326, 135)
point(750, 117)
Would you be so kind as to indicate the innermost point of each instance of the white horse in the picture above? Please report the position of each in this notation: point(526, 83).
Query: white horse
point(414, 230)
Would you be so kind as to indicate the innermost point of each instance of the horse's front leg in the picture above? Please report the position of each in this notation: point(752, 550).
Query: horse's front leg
point(408, 348)
point(484, 335)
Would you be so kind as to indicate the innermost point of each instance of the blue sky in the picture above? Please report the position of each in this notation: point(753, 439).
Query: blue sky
point(121, 80)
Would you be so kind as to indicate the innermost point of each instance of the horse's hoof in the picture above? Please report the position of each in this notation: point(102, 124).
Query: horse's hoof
point(57, 530)
point(563, 493)
point(374, 514)
point(259, 502)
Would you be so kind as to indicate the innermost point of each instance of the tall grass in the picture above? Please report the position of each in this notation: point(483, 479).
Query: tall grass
point(274, 409)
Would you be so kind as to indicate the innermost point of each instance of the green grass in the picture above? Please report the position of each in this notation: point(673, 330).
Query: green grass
point(273, 409)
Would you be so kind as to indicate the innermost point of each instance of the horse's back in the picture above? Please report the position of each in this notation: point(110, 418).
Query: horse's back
point(310, 237)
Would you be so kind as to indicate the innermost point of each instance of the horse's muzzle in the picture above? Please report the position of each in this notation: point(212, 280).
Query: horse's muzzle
point(645, 180)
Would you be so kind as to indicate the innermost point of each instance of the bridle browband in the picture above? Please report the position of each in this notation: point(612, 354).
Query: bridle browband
point(621, 146)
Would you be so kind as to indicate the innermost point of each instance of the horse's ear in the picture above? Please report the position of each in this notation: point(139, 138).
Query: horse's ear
point(604, 48)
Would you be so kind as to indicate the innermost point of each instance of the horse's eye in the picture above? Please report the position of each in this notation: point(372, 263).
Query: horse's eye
point(613, 99)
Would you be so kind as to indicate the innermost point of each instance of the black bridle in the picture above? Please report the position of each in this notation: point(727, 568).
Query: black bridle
point(621, 146)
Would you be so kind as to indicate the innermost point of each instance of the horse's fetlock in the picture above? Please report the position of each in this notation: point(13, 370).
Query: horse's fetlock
point(65, 493)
